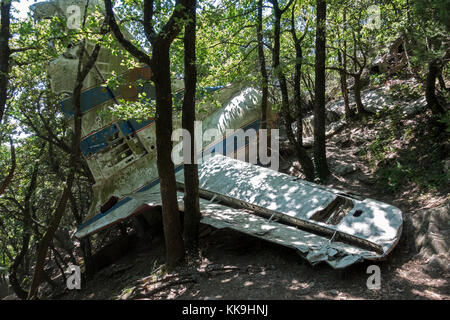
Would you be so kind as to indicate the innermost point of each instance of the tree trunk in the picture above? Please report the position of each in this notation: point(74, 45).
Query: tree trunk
point(85, 242)
point(302, 155)
point(48, 236)
point(171, 217)
point(160, 65)
point(61, 266)
point(15, 284)
point(262, 65)
point(303, 158)
point(357, 90)
point(27, 231)
point(287, 119)
point(4, 54)
point(10, 175)
point(343, 82)
point(434, 68)
point(343, 75)
point(344, 90)
point(192, 213)
point(319, 148)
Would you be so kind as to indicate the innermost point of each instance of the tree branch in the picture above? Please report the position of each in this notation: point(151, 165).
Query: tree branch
point(131, 48)
point(148, 24)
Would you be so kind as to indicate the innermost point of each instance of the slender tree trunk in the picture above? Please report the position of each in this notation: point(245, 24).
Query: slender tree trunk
point(192, 213)
point(4, 77)
point(48, 236)
point(303, 158)
point(27, 232)
point(344, 90)
point(10, 175)
point(343, 75)
point(287, 118)
point(160, 65)
point(357, 90)
point(298, 78)
point(46, 240)
point(302, 155)
point(434, 68)
point(13, 280)
point(343, 82)
point(85, 242)
point(319, 148)
point(297, 95)
point(59, 212)
point(262, 65)
point(171, 217)
point(86, 250)
point(4, 54)
point(61, 266)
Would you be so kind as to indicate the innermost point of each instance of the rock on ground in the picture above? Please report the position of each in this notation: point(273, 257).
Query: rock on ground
point(432, 227)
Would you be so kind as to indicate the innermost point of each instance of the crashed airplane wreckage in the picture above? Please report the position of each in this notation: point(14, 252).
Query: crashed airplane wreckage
point(321, 223)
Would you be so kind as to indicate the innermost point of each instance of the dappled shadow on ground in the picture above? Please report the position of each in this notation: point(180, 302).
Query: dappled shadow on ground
point(237, 266)
point(268, 271)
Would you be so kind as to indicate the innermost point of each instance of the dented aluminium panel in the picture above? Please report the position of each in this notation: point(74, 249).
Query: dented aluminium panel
point(367, 223)
point(354, 229)
point(281, 209)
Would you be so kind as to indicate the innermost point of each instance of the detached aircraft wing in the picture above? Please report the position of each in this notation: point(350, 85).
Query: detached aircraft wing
point(322, 224)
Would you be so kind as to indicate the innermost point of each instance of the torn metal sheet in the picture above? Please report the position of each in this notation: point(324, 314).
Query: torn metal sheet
point(366, 223)
point(312, 247)
point(367, 235)
point(315, 246)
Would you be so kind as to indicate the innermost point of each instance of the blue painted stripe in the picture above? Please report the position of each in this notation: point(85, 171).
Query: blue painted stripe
point(212, 89)
point(98, 140)
point(96, 96)
point(88, 99)
point(137, 125)
point(225, 142)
